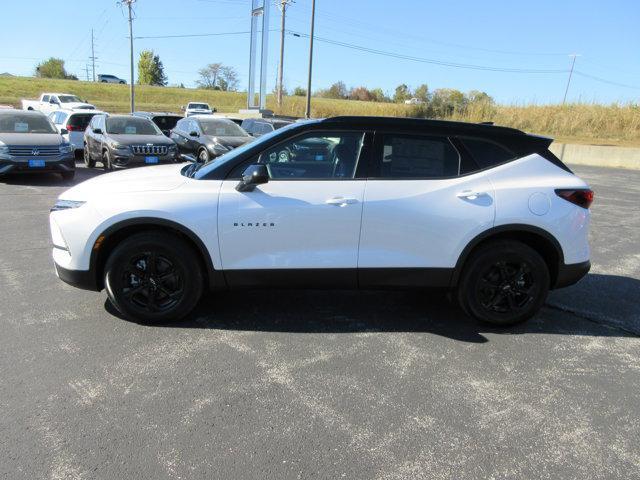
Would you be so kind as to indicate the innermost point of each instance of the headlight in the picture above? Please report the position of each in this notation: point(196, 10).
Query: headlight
point(173, 148)
point(220, 148)
point(4, 150)
point(118, 146)
point(65, 148)
point(66, 205)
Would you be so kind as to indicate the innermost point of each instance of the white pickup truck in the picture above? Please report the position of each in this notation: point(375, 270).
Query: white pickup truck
point(48, 102)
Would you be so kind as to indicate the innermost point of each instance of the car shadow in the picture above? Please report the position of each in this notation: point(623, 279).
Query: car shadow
point(50, 179)
point(319, 311)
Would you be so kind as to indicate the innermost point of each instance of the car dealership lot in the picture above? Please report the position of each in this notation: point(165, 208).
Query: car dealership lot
point(309, 384)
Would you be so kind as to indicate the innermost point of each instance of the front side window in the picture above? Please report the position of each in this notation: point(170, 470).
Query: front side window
point(409, 156)
point(46, 98)
point(131, 126)
point(315, 156)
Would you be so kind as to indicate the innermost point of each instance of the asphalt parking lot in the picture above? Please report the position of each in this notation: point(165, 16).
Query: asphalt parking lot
point(291, 384)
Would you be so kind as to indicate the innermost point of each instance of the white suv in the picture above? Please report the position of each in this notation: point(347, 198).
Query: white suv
point(346, 202)
point(197, 108)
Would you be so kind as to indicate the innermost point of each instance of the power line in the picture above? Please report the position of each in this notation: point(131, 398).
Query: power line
point(430, 60)
point(604, 80)
point(188, 35)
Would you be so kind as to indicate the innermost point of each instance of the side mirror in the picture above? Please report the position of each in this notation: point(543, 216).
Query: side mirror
point(253, 176)
point(97, 131)
point(194, 134)
point(63, 131)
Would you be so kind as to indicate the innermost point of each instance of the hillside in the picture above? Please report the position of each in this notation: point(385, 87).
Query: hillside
point(579, 123)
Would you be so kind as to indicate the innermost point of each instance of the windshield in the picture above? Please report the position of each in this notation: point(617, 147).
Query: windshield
point(222, 128)
point(69, 99)
point(166, 122)
point(25, 123)
point(198, 105)
point(131, 126)
point(201, 169)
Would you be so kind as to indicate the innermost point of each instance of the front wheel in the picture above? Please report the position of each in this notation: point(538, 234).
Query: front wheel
point(106, 161)
point(203, 155)
point(503, 283)
point(153, 277)
point(88, 161)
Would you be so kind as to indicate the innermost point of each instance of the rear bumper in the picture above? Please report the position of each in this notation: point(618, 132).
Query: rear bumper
point(84, 279)
point(66, 164)
point(571, 274)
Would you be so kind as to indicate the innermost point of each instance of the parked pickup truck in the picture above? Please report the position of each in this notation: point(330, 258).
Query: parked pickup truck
point(48, 102)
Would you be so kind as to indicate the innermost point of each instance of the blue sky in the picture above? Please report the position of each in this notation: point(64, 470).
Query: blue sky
point(501, 34)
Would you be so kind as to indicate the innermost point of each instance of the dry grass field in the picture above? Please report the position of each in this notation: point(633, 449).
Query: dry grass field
point(579, 123)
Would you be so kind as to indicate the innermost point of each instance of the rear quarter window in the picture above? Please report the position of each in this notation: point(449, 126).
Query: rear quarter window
point(486, 153)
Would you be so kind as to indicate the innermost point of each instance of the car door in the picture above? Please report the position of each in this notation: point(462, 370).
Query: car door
point(420, 210)
point(303, 225)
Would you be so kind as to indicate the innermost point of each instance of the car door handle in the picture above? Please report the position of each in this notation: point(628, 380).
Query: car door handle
point(341, 201)
point(470, 194)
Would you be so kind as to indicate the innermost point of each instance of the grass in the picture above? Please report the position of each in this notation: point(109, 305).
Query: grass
point(577, 123)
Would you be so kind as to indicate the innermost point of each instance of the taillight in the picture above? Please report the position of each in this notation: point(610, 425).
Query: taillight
point(72, 128)
point(582, 197)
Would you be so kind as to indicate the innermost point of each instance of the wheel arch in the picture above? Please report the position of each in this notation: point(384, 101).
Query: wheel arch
point(537, 238)
point(121, 230)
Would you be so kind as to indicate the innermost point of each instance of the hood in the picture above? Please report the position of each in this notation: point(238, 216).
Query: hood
point(79, 106)
point(141, 139)
point(230, 141)
point(143, 179)
point(40, 139)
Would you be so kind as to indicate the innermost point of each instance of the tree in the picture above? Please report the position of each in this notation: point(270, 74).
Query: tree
point(445, 101)
point(361, 93)
point(53, 68)
point(379, 95)
point(402, 93)
point(300, 92)
point(476, 96)
point(422, 92)
point(150, 69)
point(337, 90)
point(229, 80)
point(217, 76)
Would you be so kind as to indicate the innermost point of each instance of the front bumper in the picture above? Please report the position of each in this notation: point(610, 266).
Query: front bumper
point(121, 159)
point(51, 164)
point(571, 274)
point(84, 279)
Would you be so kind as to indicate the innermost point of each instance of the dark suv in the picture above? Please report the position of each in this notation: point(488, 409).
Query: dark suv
point(123, 140)
point(165, 121)
point(257, 127)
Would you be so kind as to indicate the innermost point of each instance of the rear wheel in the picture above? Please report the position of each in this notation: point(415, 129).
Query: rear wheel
point(503, 283)
point(88, 161)
point(153, 277)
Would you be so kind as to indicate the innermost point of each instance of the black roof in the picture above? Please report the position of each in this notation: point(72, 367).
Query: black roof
point(511, 137)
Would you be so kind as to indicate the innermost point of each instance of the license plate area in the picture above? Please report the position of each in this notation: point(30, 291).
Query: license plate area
point(36, 163)
point(150, 160)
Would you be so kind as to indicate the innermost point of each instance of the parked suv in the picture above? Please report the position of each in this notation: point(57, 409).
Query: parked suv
point(348, 202)
point(165, 121)
point(257, 127)
point(104, 78)
point(208, 137)
point(75, 122)
point(197, 108)
point(29, 143)
point(120, 141)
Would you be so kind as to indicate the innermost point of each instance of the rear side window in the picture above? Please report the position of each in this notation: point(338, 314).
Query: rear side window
point(486, 153)
point(408, 156)
point(79, 121)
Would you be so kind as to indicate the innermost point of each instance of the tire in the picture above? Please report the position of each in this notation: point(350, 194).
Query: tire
point(86, 154)
point(503, 283)
point(106, 161)
point(203, 155)
point(121, 83)
point(103, 81)
point(165, 292)
point(68, 176)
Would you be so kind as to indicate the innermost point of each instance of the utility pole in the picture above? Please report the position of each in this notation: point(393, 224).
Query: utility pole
point(93, 57)
point(283, 7)
point(313, 18)
point(129, 4)
point(574, 55)
point(86, 69)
